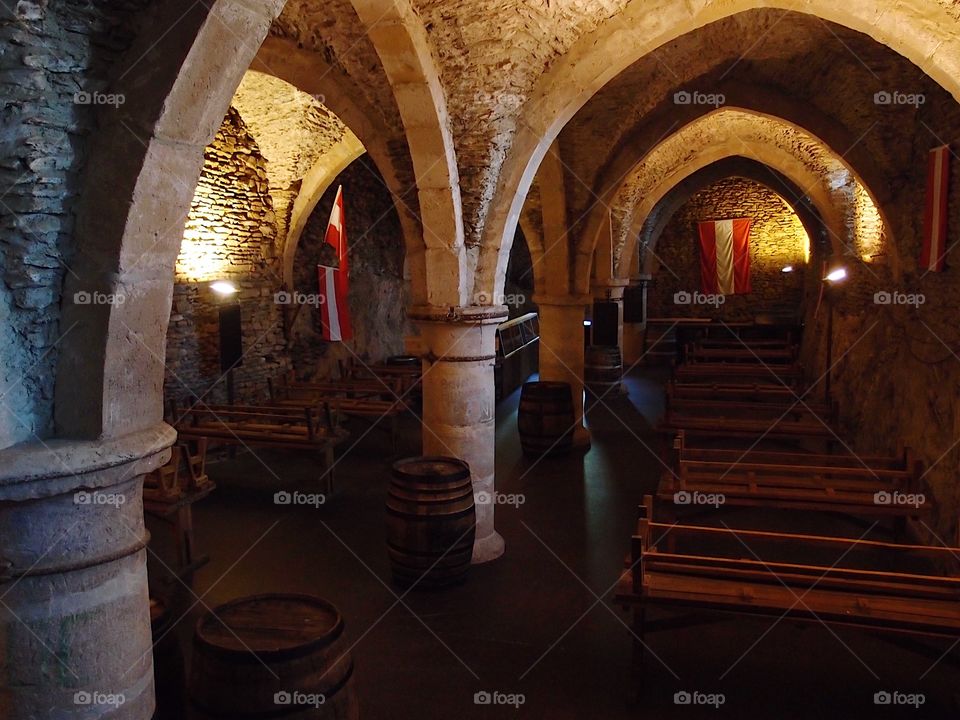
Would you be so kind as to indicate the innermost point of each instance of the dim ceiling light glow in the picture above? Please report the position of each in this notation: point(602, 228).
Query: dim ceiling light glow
point(837, 275)
point(222, 287)
point(788, 269)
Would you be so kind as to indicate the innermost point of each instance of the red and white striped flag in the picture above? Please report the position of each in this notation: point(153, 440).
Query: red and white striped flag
point(725, 256)
point(935, 220)
point(334, 282)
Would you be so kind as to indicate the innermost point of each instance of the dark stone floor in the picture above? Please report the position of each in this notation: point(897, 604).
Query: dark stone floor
point(539, 621)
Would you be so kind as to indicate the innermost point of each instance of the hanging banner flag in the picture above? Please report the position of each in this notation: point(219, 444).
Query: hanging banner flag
point(725, 256)
point(935, 219)
point(334, 282)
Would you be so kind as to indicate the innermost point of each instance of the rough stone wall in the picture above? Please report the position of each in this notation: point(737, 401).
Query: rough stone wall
point(53, 56)
point(229, 232)
point(777, 240)
point(378, 296)
point(292, 130)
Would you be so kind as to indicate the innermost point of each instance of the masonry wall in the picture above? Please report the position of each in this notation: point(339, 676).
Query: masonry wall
point(378, 296)
point(777, 240)
point(229, 236)
point(53, 58)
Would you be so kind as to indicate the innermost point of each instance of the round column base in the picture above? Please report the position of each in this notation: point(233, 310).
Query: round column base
point(487, 548)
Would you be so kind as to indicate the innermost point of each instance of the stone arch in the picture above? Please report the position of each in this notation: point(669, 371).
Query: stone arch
point(143, 166)
point(928, 37)
point(741, 167)
point(693, 158)
point(311, 73)
point(400, 39)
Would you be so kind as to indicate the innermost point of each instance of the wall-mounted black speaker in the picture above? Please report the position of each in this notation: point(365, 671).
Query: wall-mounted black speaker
point(634, 304)
point(606, 323)
point(231, 337)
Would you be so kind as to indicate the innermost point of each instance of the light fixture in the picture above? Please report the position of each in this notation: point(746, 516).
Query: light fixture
point(836, 275)
point(788, 269)
point(222, 287)
point(587, 323)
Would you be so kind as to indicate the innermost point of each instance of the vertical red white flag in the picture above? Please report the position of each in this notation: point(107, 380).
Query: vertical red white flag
point(935, 219)
point(725, 256)
point(334, 282)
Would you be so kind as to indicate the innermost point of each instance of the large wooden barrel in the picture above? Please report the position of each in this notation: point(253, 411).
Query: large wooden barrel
point(603, 370)
point(170, 679)
point(278, 655)
point(545, 419)
point(431, 521)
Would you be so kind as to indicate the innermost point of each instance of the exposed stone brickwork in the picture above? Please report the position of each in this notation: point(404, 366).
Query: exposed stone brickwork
point(229, 233)
point(776, 241)
point(49, 52)
point(378, 296)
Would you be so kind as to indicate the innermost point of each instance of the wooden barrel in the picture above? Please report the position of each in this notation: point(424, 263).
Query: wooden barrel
point(278, 655)
point(431, 521)
point(603, 370)
point(170, 679)
point(404, 360)
point(545, 419)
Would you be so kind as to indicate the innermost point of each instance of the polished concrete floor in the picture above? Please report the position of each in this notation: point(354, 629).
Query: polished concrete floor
point(538, 622)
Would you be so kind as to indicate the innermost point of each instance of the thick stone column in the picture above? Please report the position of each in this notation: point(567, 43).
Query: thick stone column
point(458, 347)
point(562, 350)
point(74, 610)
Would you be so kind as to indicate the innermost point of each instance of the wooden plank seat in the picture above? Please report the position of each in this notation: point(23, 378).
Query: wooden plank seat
point(758, 355)
point(752, 373)
point(735, 343)
point(408, 378)
point(858, 491)
point(890, 587)
point(777, 427)
point(347, 387)
point(284, 428)
point(790, 408)
point(736, 391)
point(369, 407)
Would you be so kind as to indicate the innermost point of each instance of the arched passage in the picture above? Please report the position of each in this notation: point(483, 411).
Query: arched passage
point(929, 38)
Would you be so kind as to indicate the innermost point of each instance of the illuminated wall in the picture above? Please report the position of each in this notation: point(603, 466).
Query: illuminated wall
point(778, 240)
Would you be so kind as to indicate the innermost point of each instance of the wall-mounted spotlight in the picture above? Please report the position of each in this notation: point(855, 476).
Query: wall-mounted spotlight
point(837, 275)
point(223, 288)
point(587, 323)
point(787, 269)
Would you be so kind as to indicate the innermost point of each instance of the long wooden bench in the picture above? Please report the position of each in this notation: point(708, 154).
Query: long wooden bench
point(753, 572)
point(790, 407)
point(750, 392)
point(755, 355)
point(407, 377)
point(345, 401)
point(751, 373)
point(347, 387)
point(284, 428)
point(772, 426)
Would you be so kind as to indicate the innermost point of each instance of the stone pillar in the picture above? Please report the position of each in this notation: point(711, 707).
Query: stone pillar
point(562, 350)
point(74, 610)
point(458, 347)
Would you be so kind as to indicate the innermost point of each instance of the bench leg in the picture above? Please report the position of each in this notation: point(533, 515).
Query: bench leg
point(638, 653)
point(327, 476)
point(183, 531)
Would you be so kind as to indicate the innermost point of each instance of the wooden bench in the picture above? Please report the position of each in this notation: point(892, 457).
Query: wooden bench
point(284, 428)
point(407, 377)
point(752, 572)
point(169, 494)
point(751, 392)
point(773, 426)
point(789, 407)
point(348, 387)
point(346, 402)
point(758, 355)
point(752, 373)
